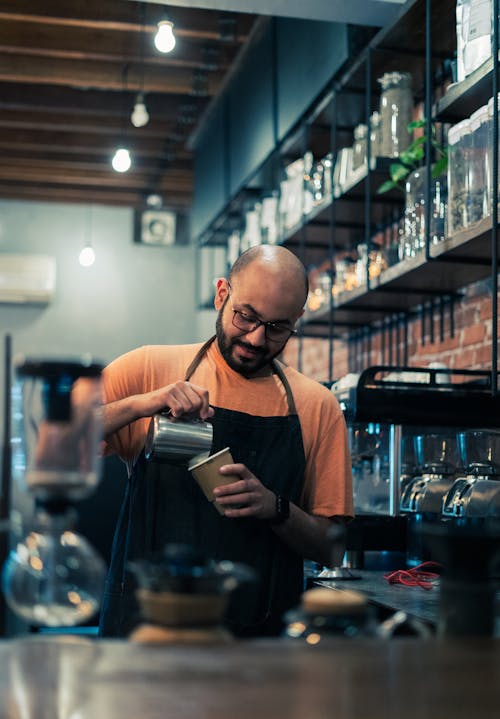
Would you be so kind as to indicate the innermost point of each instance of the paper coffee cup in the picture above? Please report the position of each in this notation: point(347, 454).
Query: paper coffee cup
point(208, 477)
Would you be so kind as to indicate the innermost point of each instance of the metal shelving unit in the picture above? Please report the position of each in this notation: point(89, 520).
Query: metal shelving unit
point(420, 41)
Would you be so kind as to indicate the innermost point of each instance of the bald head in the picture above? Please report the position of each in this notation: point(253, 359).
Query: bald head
point(278, 261)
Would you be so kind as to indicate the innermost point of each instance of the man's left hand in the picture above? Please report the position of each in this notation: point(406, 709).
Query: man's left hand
point(245, 498)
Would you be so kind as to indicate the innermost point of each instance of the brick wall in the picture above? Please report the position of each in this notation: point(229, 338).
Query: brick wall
point(460, 337)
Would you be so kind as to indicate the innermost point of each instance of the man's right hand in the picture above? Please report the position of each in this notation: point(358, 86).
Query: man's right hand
point(179, 398)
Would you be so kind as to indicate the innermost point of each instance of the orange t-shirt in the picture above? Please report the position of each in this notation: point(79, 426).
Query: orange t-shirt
point(327, 488)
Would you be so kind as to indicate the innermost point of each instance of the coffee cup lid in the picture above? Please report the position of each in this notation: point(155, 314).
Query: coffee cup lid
point(201, 459)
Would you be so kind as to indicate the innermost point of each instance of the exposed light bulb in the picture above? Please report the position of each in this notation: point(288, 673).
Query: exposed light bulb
point(87, 256)
point(121, 161)
point(140, 115)
point(154, 200)
point(165, 38)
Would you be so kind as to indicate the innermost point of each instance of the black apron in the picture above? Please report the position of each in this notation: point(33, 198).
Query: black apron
point(164, 504)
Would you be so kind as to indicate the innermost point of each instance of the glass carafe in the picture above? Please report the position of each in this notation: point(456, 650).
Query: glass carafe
point(53, 576)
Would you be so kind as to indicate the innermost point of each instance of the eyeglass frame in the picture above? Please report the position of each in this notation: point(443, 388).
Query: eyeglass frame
point(259, 323)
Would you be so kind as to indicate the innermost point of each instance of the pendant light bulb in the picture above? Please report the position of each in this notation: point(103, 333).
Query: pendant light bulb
point(140, 115)
point(165, 38)
point(121, 161)
point(87, 256)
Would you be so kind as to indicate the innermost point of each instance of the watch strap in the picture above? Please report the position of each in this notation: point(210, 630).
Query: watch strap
point(282, 510)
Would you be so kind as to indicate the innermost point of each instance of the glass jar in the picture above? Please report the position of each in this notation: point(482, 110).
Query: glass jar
point(269, 219)
point(342, 170)
point(396, 112)
point(415, 227)
point(490, 146)
point(479, 174)
point(375, 135)
point(359, 147)
point(327, 162)
point(459, 162)
point(377, 261)
point(361, 264)
point(316, 183)
point(329, 614)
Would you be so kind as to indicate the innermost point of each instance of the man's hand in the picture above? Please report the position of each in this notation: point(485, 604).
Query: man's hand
point(180, 398)
point(306, 534)
point(245, 498)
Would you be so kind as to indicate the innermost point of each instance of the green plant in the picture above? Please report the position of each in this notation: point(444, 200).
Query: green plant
point(411, 159)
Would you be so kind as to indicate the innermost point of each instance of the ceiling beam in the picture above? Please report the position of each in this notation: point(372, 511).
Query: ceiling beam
point(125, 17)
point(110, 76)
point(120, 197)
point(375, 13)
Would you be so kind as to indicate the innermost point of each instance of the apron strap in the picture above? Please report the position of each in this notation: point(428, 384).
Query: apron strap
point(276, 369)
point(197, 359)
point(288, 390)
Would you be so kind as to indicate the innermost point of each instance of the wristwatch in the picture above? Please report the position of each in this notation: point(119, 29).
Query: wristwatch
point(282, 510)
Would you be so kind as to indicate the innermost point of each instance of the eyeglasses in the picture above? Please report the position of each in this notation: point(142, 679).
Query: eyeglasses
point(274, 331)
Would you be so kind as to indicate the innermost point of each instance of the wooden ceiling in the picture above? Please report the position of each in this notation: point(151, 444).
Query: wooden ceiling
point(69, 75)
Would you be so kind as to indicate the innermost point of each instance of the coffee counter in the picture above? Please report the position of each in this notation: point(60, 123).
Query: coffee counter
point(71, 677)
point(422, 604)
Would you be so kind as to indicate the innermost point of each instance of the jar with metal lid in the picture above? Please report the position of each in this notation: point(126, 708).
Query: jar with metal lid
point(459, 154)
point(359, 147)
point(396, 111)
point(479, 174)
point(329, 613)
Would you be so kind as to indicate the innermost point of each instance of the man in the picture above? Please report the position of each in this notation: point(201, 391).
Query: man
point(286, 434)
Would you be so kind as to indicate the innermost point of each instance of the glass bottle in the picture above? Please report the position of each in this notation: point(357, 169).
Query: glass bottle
point(396, 112)
point(459, 160)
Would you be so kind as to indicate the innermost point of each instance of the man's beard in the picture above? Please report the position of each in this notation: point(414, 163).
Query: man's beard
point(243, 366)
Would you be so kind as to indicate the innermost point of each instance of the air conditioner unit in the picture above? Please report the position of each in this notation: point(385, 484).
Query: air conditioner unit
point(27, 279)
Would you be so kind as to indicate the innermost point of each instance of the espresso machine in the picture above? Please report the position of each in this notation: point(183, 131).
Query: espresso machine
point(403, 424)
point(422, 499)
point(476, 492)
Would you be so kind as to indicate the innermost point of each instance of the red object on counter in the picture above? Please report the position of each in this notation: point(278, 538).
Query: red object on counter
point(416, 577)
